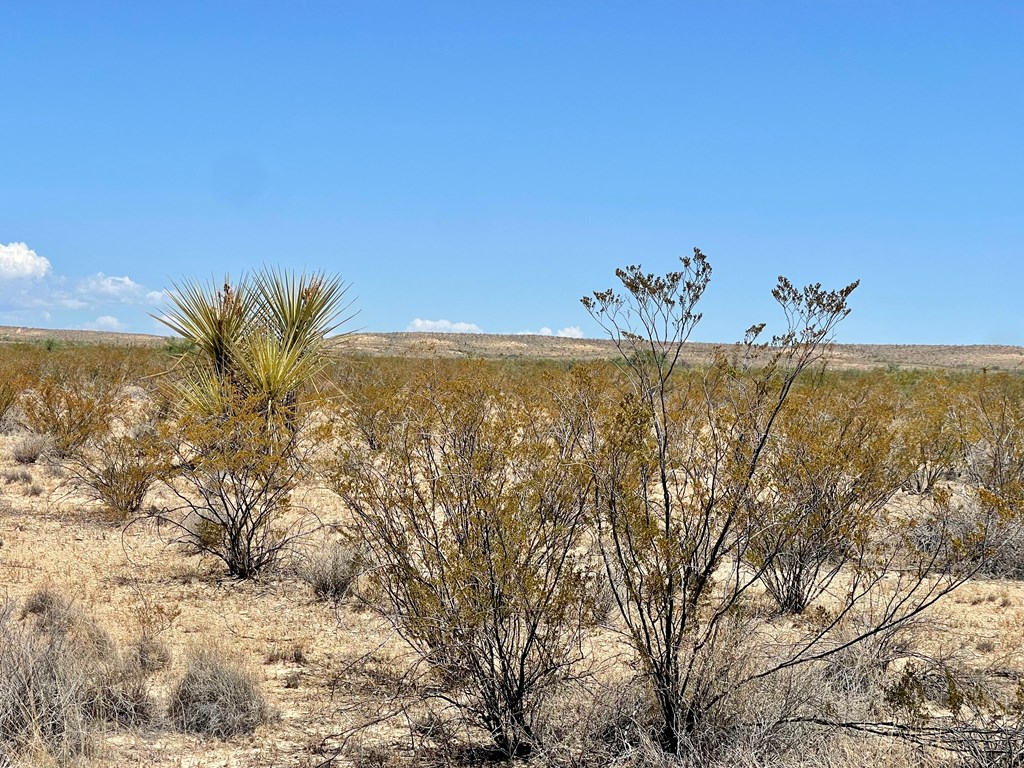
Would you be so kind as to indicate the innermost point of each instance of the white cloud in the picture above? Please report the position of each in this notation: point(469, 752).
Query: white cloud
point(17, 260)
point(106, 323)
point(101, 287)
point(63, 300)
point(570, 332)
point(441, 326)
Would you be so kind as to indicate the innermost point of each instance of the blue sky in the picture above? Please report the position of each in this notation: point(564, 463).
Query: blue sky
point(487, 164)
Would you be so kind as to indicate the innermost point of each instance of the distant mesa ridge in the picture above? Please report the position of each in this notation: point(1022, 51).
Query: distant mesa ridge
point(513, 346)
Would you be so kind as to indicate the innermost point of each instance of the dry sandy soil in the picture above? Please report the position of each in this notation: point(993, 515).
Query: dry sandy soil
point(475, 345)
point(321, 667)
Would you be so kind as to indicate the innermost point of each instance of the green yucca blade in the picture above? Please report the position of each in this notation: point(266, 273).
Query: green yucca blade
point(213, 319)
point(273, 371)
point(203, 393)
point(302, 309)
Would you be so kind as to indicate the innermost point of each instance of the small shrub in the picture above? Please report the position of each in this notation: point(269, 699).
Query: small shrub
point(118, 471)
point(152, 654)
point(331, 572)
point(70, 408)
point(235, 472)
point(29, 449)
point(294, 654)
point(216, 697)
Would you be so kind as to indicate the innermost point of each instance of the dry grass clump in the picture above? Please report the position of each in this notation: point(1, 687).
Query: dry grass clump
point(28, 449)
point(331, 571)
point(17, 476)
point(61, 679)
point(217, 697)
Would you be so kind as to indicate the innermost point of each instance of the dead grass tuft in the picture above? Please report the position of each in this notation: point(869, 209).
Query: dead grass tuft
point(217, 697)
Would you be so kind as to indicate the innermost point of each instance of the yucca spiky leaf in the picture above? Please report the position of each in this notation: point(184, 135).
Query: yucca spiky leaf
point(273, 372)
point(213, 319)
point(302, 309)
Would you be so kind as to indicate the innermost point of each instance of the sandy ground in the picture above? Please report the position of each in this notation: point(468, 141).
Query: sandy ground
point(50, 538)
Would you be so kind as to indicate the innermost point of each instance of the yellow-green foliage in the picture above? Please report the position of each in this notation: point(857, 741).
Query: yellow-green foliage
point(70, 407)
point(835, 461)
point(118, 469)
point(471, 511)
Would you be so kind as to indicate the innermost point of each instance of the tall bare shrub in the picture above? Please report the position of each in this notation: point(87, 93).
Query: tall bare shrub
point(679, 471)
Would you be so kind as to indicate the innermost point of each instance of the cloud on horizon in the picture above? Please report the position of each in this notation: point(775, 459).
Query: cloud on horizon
point(569, 332)
point(33, 289)
point(121, 289)
point(441, 326)
point(105, 323)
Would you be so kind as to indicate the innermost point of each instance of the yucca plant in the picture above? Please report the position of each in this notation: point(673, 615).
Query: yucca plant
point(260, 346)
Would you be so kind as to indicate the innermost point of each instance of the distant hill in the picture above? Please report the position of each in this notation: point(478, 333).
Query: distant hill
point(498, 346)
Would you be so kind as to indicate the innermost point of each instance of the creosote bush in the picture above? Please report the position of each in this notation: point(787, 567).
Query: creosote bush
point(12, 384)
point(119, 469)
point(471, 513)
point(70, 407)
point(686, 472)
point(831, 468)
point(217, 697)
point(234, 473)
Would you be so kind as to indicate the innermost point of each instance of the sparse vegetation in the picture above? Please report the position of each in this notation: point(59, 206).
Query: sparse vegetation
point(71, 407)
point(330, 570)
point(471, 510)
point(28, 449)
point(118, 470)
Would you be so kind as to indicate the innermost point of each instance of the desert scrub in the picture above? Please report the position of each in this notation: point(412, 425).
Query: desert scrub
point(70, 408)
point(28, 449)
point(118, 470)
point(62, 680)
point(682, 471)
point(831, 468)
point(217, 697)
point(483, 569)
point(12, 384)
